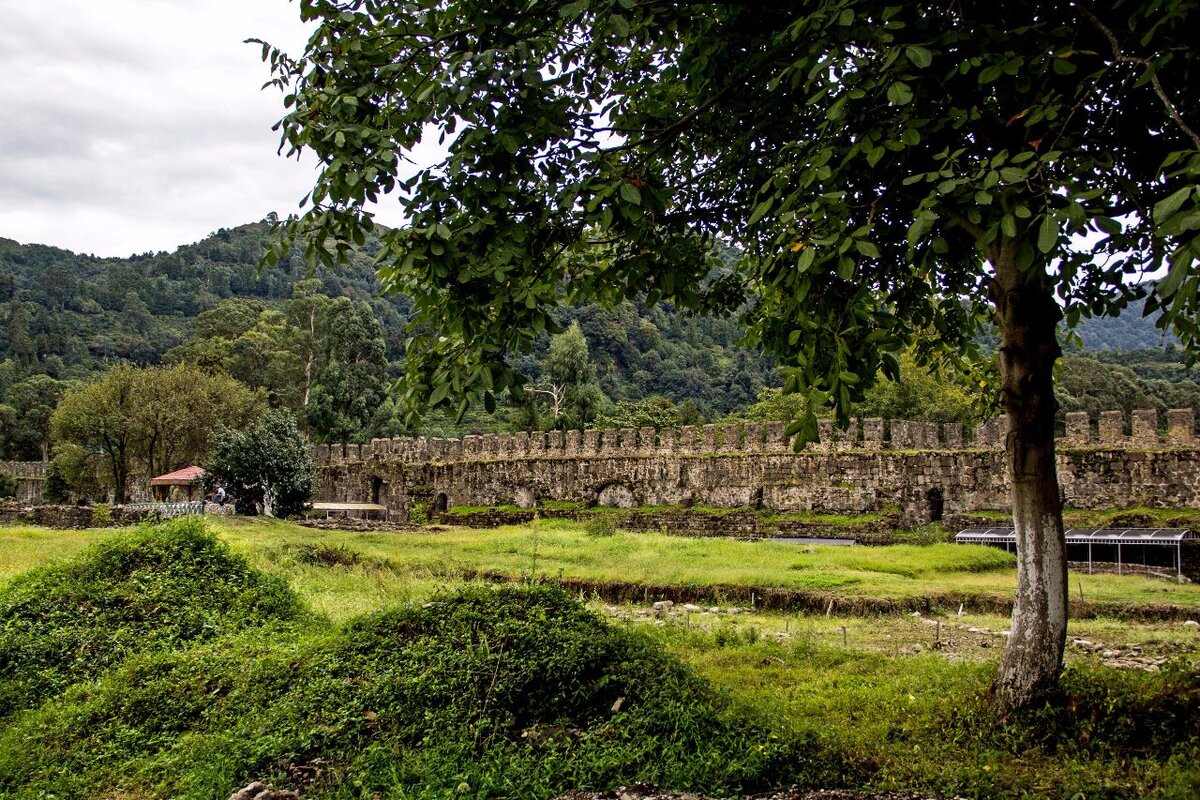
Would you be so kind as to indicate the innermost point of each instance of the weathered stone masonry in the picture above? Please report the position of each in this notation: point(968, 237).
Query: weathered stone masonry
point(922, 470)
point(31, 479)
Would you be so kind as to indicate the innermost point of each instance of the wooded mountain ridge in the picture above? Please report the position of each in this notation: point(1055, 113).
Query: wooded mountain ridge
point(70, 316)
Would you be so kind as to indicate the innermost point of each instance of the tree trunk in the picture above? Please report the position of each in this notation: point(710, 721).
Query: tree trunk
point(1027, 315)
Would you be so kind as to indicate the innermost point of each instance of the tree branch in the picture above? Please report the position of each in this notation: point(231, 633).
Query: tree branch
point(1122, 58)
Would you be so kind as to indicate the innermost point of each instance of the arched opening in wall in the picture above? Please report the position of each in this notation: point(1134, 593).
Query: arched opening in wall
point(376, 488)
point(441, 503)
point(524, 497)
point(935, 503)
point(615, 495)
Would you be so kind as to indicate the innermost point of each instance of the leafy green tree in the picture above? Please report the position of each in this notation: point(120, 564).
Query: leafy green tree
point(8, 486)
point(75, 469)
point(257, 346)
point(21, 346)
point(569, 381)
point(58, 487)
point(655, 412)
point(921, 394)
point(352, 381)
point(889, 170)
point(306, 310)
point(179, 407)
point(773, 405)
point(101, 416)
point(147, 420)
point(33, 401)
point(266, 466)
point(8, 426)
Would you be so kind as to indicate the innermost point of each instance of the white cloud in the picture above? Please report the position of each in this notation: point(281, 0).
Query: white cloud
point(136, 125)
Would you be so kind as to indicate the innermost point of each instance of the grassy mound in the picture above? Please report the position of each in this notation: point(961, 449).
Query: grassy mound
point(156, 589)
point(517, 691)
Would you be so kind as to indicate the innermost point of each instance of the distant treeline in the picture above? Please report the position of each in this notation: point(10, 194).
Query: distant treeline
point(326, 346)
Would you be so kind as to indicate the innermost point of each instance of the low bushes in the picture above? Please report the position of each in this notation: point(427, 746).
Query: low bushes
point(202, 675)
point(153, 589)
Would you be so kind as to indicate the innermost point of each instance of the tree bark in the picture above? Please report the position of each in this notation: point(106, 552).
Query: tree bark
point(1027, 316)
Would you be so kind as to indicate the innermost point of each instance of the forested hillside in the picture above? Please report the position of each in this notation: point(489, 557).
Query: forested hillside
point(325, 346)
point(69, 317)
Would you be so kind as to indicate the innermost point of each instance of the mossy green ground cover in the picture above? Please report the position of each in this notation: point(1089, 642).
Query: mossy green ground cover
point(403, 566)
point(515, 691)
point(325, 690)
point(558, 548)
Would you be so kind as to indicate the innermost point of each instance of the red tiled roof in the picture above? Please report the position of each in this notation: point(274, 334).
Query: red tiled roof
point(180, 477)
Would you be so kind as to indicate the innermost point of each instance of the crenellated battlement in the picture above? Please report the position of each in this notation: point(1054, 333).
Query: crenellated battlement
point(23, 469)
point(1107, 431)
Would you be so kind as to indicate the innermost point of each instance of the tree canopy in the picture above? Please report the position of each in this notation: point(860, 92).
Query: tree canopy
point(893, 175)
point(265, 466)
point(152, 420)
point(867, 157)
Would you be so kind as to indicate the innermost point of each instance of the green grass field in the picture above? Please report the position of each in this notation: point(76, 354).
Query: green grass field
point(878, 702)
point(395, 567)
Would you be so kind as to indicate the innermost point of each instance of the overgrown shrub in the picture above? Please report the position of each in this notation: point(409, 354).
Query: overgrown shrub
point(57, 488)
point(101, 515)
point(601, 525)
point(418, 513)
point(516, 692)
point(324, 555)
point(265, 466)
point(8, 485)
point(153, 589)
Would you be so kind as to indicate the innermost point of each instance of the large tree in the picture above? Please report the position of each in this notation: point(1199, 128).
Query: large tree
point(569, 381)
point(352, 381)
point(266, 466)
point(32, 402)
point(150, 420)
point(893, 173)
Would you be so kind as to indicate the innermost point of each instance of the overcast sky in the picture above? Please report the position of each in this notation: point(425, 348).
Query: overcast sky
point(129, 126)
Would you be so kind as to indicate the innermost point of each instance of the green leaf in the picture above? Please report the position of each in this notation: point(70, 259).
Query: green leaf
point(890, 366)
point(619, 25)
point(919, 56)
point(1168, 286)
point(631, 194)
point(1013, 174)
point(845, 268)
point(989, 74)
point(1048, 234)
point(807, 256)
point(921, 226)
point(899, 94)
point(761, 209)
point(438, 394)
point(572, 10)
point(867, 249)
point(1008, 225)
point(1169, 205)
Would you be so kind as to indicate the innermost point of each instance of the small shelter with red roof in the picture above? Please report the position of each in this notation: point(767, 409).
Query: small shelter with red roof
point(178, 485)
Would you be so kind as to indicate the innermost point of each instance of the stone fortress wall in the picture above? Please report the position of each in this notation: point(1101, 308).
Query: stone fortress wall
point(921, 470)
point(31, 479)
